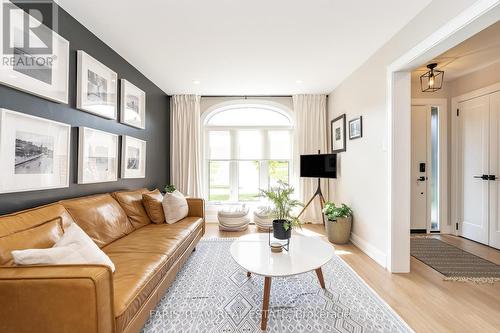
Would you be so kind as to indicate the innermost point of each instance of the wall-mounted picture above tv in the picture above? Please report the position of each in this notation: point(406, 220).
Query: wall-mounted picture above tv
point(318, 166)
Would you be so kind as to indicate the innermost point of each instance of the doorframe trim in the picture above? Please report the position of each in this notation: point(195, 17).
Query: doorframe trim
point(455, 100)
point(470, 21)
point(442, 104)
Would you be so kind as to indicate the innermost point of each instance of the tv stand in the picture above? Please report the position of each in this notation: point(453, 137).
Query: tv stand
point(321, 201)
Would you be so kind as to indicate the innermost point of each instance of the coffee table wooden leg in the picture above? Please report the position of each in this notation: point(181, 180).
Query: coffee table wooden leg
point(319, 273)
point(248, 274)
point(265, 303)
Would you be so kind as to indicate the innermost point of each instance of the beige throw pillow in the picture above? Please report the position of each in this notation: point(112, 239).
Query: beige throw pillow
point(175, 207)
point(152, 202)
point(74, 247)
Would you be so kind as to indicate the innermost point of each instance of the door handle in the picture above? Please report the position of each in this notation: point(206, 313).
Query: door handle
point(492, 177)
point(421, 179)
point(483, 177)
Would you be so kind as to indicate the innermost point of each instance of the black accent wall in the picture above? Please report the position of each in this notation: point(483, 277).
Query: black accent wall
point(157, 132)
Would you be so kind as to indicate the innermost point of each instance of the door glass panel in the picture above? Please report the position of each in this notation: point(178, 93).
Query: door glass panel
point(248, 180)
point(278, 170)
point(218, 189)
point(434, 170)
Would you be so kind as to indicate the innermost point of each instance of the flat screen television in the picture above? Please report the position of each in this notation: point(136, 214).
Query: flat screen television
point(318, 166)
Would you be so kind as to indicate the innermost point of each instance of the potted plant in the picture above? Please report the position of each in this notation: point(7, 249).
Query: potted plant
point(283, 204)
point(170, 188)
point(339, 222)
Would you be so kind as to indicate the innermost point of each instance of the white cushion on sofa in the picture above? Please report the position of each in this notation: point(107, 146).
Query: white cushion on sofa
point(175, 207)
point(74, 247)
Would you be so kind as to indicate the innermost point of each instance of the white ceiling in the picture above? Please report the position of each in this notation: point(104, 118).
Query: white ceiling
point(252, 47)
point(477, 52)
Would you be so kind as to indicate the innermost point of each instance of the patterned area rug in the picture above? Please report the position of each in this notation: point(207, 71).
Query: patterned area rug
point(454, 263)
point(213, 294)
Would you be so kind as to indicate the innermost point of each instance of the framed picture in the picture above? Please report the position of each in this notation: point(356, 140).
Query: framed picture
point(41, 70)
point(97, 156)
point(338, 136)
point(133, 157)
point(356, 128)
point(132, 105)
point(96, 87)
point(34, 153)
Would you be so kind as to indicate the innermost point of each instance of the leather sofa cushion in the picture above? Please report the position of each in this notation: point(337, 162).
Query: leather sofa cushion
point(152, 202)
point(100, 216)
point(155, 238)
point(142, 259)
point(40, 237)
point(131, 202)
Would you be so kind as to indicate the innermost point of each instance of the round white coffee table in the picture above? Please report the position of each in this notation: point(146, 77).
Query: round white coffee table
point(252, 253)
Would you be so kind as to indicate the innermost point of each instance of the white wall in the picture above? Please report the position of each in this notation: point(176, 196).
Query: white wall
point(363, 178)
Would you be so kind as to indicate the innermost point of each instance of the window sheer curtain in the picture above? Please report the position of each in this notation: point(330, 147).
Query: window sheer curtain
point(185, 144)
point(310, 136)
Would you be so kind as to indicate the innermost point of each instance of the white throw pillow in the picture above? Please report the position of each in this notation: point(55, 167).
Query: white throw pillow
point(74, 247)
point(175, 207)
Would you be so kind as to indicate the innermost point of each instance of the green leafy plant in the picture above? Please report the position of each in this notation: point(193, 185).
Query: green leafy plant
point(333, 212)
point(170, 188)
point(280, 196)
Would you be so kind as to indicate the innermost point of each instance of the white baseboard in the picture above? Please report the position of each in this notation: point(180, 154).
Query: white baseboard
point(371, 251)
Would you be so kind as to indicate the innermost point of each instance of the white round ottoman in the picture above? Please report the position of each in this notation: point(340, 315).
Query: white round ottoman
point(233, 218)
point(262, 218)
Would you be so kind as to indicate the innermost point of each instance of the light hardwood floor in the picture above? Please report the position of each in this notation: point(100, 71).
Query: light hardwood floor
point(421, 297)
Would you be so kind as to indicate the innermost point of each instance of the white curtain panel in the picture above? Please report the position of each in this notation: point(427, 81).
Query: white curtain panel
point(185, 144)
point(310, 136)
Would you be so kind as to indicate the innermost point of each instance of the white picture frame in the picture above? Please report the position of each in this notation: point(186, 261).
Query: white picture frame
point(96, 87)
point(97, 156)
point(34, 153)
point(41, 74)
point(133, 163)
point(132, 105)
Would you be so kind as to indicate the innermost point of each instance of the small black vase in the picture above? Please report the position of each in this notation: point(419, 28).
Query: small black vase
point(279, 231)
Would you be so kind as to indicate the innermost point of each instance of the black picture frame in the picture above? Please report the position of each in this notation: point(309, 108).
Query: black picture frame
point(334, 137)
point(356, 135)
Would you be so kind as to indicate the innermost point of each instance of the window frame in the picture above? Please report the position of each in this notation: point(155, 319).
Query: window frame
point(233, 160)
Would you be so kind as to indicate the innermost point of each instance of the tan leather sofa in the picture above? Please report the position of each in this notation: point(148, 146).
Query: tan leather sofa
point(90, 298)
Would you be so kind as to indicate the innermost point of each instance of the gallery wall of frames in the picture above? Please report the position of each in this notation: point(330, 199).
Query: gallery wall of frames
point(87, 123)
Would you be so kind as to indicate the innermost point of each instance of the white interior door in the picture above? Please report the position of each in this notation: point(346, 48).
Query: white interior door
point(473, 165)
point(420, 126)
point(494, 172)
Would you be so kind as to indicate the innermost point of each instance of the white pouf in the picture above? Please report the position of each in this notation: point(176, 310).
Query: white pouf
point(233, 218)
point(262, 218)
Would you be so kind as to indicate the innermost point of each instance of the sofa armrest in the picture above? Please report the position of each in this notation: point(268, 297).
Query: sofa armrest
point(62, 298)
point(197, 209)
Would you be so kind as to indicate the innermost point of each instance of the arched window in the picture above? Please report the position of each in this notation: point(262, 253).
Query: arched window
point(247, 148)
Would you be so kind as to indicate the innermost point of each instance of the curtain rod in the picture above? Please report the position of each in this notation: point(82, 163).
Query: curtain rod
point(249, 96)
point(245, 96)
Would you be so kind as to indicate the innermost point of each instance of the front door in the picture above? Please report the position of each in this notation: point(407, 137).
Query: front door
point(420, 126)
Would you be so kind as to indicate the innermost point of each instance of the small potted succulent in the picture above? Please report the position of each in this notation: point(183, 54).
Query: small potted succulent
point(338, 222)
point(283, 204)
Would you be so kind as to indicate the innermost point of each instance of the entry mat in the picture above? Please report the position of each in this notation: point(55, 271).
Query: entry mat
point(454, 263)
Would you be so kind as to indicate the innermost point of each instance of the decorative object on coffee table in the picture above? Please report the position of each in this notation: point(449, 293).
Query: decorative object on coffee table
point(233, 218)
point(306, 254)
point(338, 222)
point(280, 196)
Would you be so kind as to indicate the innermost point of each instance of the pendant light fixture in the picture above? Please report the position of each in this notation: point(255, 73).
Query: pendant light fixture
point(432, 80)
